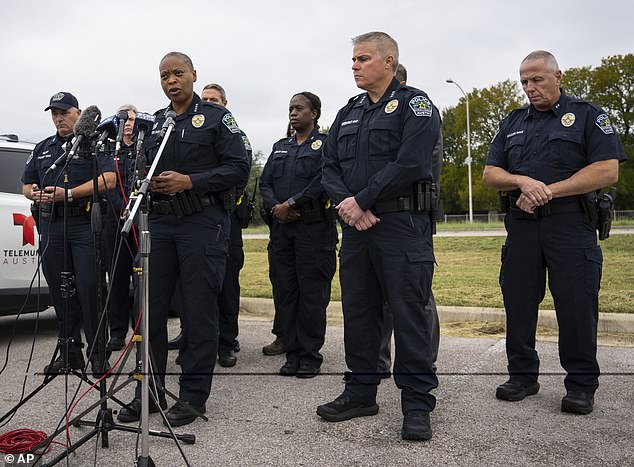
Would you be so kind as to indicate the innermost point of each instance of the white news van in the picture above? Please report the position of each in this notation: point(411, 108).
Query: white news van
point(18, 235)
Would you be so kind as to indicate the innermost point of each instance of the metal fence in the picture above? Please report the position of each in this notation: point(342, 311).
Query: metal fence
point(494, 216)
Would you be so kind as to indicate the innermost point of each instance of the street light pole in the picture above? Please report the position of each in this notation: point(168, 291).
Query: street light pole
point(468, 161)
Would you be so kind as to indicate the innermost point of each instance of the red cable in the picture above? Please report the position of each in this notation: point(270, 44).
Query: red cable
point(125, 198)
point(22, 440)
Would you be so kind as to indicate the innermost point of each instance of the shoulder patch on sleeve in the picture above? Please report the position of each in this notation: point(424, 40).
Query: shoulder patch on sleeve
point(603, 122)
point(421, 106)
point(246, 142)
point(230, 123)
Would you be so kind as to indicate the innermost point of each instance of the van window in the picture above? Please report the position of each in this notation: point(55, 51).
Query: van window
point(12, 162)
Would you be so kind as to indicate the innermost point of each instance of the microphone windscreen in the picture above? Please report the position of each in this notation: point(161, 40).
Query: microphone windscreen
point(143, 121)
point(108, 124)
point(122, 115)
point(170, 114)
point(87, 122)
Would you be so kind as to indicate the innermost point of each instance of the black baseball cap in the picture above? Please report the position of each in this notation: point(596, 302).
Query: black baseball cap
point(62, 100)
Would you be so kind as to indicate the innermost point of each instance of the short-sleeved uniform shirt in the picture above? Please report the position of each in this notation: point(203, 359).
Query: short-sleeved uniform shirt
point(553, 145)
point(293, 171)
point(376, 151)
point(79, 169)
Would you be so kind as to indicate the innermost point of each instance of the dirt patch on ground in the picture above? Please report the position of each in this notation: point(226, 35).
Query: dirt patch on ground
point(472, 329)
point(489, 329)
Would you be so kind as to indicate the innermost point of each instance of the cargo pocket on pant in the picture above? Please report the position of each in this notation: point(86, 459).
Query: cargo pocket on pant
point(502, 260)
point(216, 261)
point(593, 269)
point(327, 262)
point(418, 275)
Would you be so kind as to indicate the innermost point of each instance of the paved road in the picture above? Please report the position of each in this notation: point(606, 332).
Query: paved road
point(463, 233)
point(259, 418)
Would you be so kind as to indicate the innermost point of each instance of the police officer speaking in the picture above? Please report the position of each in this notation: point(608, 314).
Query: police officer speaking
point(204, 157)
point(551, 156)
point(378, 171)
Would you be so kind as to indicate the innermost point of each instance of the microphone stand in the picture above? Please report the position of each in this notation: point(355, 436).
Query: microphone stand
point(141, 201)
point(104, 421)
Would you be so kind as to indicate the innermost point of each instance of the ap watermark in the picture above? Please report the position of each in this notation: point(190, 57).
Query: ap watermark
point(17, 459)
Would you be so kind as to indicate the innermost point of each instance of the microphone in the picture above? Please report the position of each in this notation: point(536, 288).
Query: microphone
point(108, 129)
point(122, 116)
point(85, 126)
point(169, 121)
point(142, 124)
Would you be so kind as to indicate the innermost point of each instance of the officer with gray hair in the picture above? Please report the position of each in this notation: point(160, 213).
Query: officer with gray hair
point(378, 172)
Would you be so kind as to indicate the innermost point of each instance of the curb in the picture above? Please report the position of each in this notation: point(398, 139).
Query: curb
point(608, 322)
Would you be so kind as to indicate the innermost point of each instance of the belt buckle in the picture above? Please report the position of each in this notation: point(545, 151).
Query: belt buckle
point(403, 204)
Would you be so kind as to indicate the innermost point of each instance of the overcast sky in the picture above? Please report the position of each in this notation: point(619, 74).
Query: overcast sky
point(107, 53)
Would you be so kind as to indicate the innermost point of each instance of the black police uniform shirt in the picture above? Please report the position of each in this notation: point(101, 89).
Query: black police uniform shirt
point(293, 171)
point(80, 168)
point(553, 145)
point(376, 151)
point(206, 144)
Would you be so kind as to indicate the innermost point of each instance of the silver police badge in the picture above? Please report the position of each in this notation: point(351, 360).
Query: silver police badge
point(198, 120)
point(230, 123)
point(568, 119)
point(316, 145)
point(421, 106)
point(391, 106)
point(603, 122)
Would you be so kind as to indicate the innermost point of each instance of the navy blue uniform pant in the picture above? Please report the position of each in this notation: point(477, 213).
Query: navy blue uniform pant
point(120, 254)
point(192, 250)
point(82, 307)
point(393, 261)
point(303, 258)
point(278, 328)
point(385, 357)
point(229, 300)
point(565, 245)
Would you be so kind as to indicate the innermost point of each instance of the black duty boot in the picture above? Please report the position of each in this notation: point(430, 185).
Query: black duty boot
point(516, 391)
point(276, 347)
point(308, 370)
point(132, 411)
point(179, 415)
point(344, 408)
point(416, 426)
point(75, 362)
point(227, 358)
point(289, 368)
point(577, 402)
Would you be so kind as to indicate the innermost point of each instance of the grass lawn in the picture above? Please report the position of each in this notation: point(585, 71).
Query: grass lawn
point(467, 273)
point(263, 229)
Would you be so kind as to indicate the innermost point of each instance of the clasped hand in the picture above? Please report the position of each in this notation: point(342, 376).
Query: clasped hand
point(534, 194)
point(352, 214)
